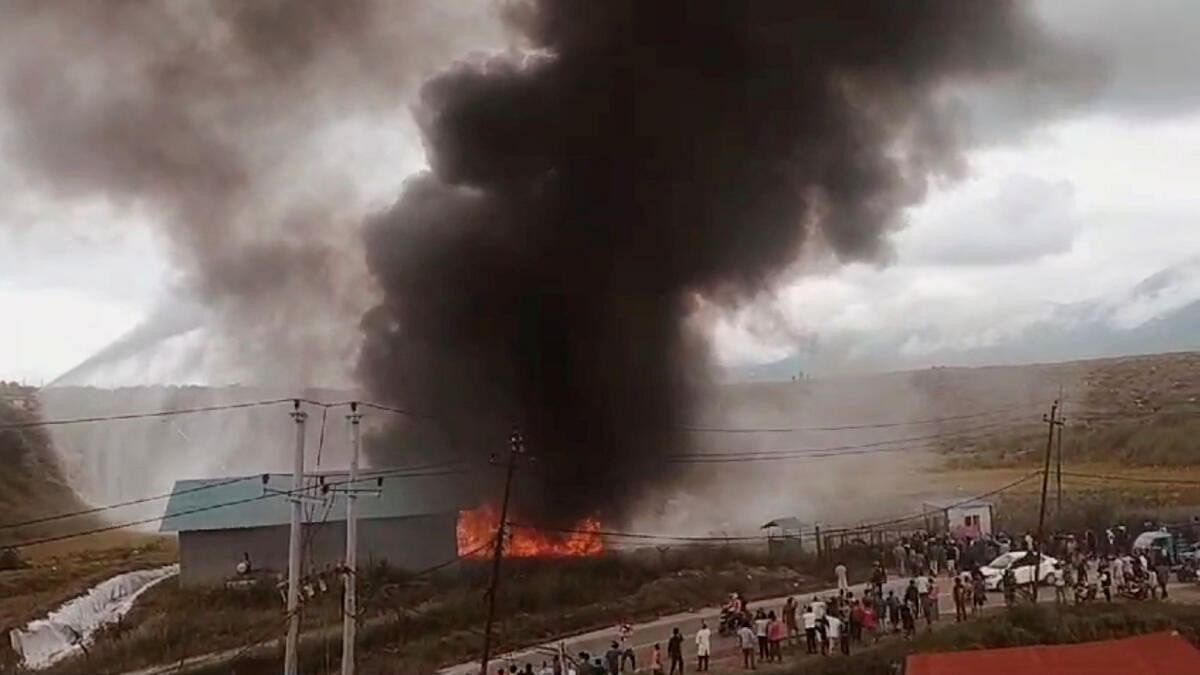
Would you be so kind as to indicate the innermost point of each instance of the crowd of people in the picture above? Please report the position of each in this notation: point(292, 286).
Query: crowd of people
point(1092, 566)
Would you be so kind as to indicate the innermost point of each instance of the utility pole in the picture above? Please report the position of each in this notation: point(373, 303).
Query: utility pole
point(516, 447)
point(350, 578)
point(1058, 471)
point(291, 650)
point(1052, 421)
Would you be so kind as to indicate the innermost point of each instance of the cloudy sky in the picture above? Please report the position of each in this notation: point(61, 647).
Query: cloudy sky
point(1052, 224)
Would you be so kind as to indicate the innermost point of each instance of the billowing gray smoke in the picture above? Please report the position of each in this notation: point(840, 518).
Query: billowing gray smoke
point(636, 155)
point(233, 126)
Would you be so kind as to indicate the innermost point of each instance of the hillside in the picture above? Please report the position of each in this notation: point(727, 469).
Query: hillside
point(1142, 410)
point(31, 483)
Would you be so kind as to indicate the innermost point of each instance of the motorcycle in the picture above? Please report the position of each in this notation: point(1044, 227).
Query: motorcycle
point(729, 622)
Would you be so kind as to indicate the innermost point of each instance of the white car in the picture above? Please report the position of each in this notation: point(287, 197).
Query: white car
point(1021, 563)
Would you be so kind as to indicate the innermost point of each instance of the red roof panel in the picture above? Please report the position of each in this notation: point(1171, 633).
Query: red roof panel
point(1155, 654)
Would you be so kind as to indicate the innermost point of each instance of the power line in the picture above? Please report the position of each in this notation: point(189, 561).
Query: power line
point(828, 451)
point(144, 415)
point(850, 427)
point(211, 507)
point(1130, 479)
point(110, 507)
point(205, 409)
point(713, 538)
point(926, 512)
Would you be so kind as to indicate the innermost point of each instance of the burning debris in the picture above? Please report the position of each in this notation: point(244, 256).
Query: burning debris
point(477, 530)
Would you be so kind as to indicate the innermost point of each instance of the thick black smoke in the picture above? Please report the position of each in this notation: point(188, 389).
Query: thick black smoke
point(638, 154)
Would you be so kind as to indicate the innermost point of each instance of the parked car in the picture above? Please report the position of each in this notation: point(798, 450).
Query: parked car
point(1021, 563)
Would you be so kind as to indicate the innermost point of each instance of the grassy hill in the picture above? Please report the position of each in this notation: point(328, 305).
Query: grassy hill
point(1140, 410)
point(31, 484)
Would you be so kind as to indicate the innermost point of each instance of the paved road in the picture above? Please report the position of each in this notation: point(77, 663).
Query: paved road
point(646, 634)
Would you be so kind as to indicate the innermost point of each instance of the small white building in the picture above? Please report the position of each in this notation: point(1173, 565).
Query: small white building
point(963, 519)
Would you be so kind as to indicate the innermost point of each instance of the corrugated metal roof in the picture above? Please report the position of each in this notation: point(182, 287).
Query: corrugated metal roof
point(229, 503)
point(1155, 654)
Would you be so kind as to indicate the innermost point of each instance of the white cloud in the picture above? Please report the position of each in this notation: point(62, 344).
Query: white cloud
point(49, 330)
point(1084, 213)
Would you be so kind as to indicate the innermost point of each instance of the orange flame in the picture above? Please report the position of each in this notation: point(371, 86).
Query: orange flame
point(477, 527)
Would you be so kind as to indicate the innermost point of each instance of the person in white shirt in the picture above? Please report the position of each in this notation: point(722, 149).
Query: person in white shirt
point(818, 607)
point(747, 641)
point(703, 646)
point(842, 584)
point(760, 631)
point(809, 621)
point(833, 630)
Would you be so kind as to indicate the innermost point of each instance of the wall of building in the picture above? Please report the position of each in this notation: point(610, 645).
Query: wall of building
point(209, 557)
point(958, 515)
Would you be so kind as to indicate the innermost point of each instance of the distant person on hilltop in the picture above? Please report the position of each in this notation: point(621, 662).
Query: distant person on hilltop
point(843, 584)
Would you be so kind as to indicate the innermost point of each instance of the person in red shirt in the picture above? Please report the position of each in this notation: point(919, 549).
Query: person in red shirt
point(856, 621)
point(870, 623)
point(775, 635)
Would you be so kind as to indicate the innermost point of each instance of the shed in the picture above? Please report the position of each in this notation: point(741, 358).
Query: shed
point(1156, 654)
point(785, 536)
point(964, 519)
point(405, 523)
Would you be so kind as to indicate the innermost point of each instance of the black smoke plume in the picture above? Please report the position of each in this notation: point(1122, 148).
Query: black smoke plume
point(636, 155)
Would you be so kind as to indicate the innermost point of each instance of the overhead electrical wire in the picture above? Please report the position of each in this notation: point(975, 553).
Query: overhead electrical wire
point(854, 448)
point(851, 427)
point(618, 534)
point(210, 507)
point(144, 415)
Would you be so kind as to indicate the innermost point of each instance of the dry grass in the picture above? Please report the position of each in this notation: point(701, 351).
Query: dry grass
point(51, 580)
point(414, 627)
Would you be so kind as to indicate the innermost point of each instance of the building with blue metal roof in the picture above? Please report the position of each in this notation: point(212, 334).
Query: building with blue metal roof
point(405, 522)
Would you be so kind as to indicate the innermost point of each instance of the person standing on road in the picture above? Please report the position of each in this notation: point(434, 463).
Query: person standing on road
point(960, 600)
point(675, 651)
point(878, 579)
point(775, 635)
point(843, 584)
point(1060, 585)
point(760, 632)
point(837, 635)
point(789, 620)
point(1161, 574)
point(870, 624)
point(625, 640)
point(979, 595)
point(748, 641)
point(612, 659)
point(893, 608)
point(656, 667)
point(703, 646)
point(901, 555)
point(809, 620)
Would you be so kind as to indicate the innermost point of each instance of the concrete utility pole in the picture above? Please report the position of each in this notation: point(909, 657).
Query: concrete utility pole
point(1058, 472)
point(1052, 421)
point(291, 650)
point(516, 447)
point(350, 604)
